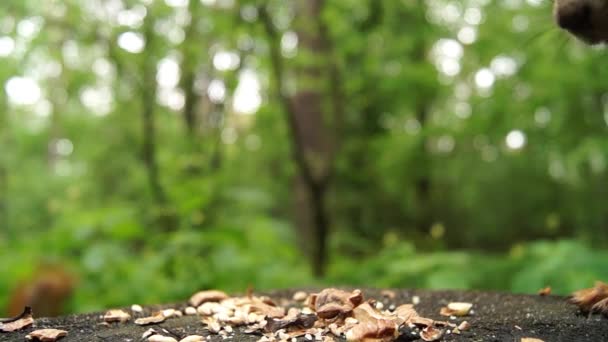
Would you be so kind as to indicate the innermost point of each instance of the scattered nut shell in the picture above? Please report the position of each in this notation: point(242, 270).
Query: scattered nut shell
point(464, 326)
point(207, 296)
point(190, 311)
point(531, 339)
point(22, 321)
point(457, 309)
point(116, 316)
point(300, 296)
point(168, 313)
point(148, 333)
point(390, 294)
point(157, 318)
point(545, 291)
point(137, 308)
point(161, 338)
point(430, 334)
point(46, 335)
point(193, 338)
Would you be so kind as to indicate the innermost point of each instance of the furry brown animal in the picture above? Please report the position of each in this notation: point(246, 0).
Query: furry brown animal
point(585, 19)
point(46, 292)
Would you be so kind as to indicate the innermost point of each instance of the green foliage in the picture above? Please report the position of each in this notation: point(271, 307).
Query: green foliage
point(215, 206)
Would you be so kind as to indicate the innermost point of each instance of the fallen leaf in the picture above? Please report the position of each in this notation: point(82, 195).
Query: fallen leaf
point(46, 335)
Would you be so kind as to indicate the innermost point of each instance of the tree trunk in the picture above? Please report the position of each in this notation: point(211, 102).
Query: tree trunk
point(314, 114)
point(166, 218)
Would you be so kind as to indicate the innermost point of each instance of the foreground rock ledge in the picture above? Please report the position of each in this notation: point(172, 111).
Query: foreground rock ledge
point(497, 317)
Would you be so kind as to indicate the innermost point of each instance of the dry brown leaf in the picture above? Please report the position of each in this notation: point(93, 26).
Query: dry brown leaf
point(207, 296)
point(156, 318)
point(431, 333)
point(25, 319)
point(46, 335)
point(587, 299)
point(545, 291)
point(116, 316)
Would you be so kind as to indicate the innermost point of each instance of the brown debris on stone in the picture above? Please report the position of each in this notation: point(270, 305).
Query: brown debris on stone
point(390, 294)
point(372, 325)
point(161, 338)
point(154, 319)
point(405, 313)
point(545, 291)
point(456, 309)
point(46, 335)
point(333, 303)
point(207, 296)
point(193, 338)
point(116, 316)
point(294, 320)
point(431, 333)
point(24, 320)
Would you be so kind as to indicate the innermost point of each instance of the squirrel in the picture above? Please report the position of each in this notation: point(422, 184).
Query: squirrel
point(46, 292)
point(585, 19)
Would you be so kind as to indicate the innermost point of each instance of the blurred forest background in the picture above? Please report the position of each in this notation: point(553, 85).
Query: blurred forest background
point(152, 148)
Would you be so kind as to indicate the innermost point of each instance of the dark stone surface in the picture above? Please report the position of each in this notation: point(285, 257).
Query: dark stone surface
point(496, 317)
